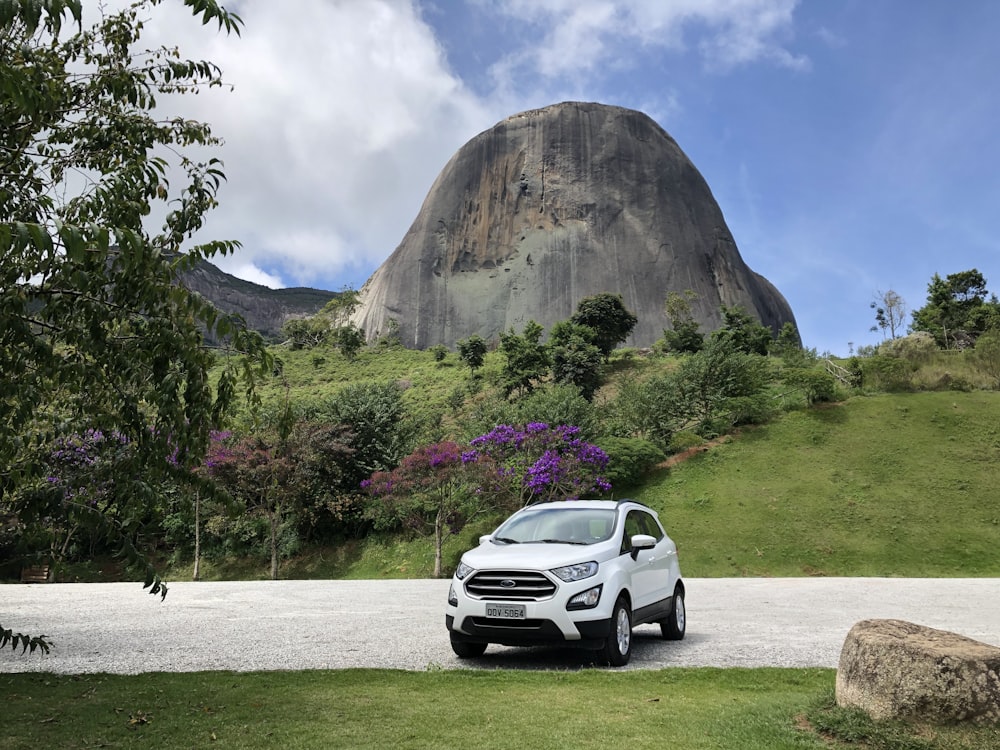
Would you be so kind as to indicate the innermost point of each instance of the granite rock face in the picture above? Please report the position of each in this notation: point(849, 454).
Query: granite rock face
point(550, 206)
point(893, 669)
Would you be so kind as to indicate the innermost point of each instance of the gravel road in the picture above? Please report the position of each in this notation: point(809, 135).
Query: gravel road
point(399, 624)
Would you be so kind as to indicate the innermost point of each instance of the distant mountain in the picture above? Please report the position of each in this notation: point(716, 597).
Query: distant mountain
point(263, 308)
point(550, 206)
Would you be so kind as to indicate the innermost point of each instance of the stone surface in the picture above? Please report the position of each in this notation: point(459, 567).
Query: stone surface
point(550, 206)
point(897, 669)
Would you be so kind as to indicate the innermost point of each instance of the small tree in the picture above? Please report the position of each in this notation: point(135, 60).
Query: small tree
point(536, 463)
point(890, 313)
point(526, 359)
point(428, 491)
point(472, 351)
point(683, 336)
point(608, 317)
point(575, 358)
point(743, 332)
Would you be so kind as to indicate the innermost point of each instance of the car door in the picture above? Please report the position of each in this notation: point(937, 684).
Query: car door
point(664, 562)
point(643, 568)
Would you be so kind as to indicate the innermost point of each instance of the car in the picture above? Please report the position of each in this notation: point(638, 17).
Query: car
point(575, 573)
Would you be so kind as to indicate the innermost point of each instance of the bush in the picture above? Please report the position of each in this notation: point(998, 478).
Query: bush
point(629, 459)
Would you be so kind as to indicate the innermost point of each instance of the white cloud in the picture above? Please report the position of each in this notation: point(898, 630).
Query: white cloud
point(341, 116)
point(589, 35)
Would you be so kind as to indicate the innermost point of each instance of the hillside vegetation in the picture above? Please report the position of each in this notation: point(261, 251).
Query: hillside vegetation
point(875, 484)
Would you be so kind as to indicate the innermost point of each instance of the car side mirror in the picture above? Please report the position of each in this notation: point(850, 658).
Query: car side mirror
point(641, 542)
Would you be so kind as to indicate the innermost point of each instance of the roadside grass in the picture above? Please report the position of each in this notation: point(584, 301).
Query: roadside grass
point(744, 709)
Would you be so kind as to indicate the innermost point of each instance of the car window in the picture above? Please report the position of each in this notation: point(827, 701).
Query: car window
point(571, 525)
point(651, 526)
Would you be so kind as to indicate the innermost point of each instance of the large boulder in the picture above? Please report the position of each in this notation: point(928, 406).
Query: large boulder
point(553, 205)
point(896, 669)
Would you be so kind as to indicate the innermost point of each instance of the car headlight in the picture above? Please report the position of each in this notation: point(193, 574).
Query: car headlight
point(576, 572)
point(462, 570)
point(586, 599)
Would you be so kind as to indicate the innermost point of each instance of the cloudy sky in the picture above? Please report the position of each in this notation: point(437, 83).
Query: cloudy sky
point(851, 145)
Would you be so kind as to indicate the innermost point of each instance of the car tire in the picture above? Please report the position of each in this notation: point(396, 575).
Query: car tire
point(676, 623)
point(618, 648)
point(466, 649)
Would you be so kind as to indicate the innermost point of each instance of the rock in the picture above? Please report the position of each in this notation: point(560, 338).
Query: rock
point(265, 310)
point(896, 669)
point(553, 205)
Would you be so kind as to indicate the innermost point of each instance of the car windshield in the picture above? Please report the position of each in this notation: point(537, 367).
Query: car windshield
point(569, 525)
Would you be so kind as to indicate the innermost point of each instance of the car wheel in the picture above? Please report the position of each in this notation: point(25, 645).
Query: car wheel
point(618, 648)
point(466, 649)
point(676, 623)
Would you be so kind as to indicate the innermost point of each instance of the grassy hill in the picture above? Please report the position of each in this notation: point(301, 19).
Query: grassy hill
point(886, 485)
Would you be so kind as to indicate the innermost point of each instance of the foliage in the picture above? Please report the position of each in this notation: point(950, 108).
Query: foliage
point(526, 359)
point(683, 335)
point(788, 348)
point(890, 313)
point(536, 463)
point(882, 373)
point(429, 490)
point(576, 359)
point(439, 352)
point(349, 339)
point(629, 459)
point(608, 317)
point(986, 356)
point(95, 331)
point(918, 348)
point(743, 332)
point(472, 351)
point(380, 432)
point(957, 310)
point(818, 386)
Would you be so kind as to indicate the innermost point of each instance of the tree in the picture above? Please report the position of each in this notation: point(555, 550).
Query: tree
point(472, 351)
point(890, 312)
point(575, 358)
point(536, 463)
point(957, 310)
point(683, 336)
point(607, 315)
point(526, 359)
point(743, 332)
point(95, 330)
point(427, 490)
point(349, 339)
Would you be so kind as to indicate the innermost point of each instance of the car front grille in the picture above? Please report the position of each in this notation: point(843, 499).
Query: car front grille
point(510, 585)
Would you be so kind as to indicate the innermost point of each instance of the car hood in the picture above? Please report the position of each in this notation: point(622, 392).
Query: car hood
point(533, 556)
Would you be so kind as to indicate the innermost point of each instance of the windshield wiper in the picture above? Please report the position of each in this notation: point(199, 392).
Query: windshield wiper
point(559, 541)
point(505, 540)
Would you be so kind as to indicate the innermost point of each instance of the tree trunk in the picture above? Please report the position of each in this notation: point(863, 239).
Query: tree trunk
point(438, 541)
point(196, 574)
point(275, 519)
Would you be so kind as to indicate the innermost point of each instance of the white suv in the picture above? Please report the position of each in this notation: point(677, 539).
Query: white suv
point(575, 572)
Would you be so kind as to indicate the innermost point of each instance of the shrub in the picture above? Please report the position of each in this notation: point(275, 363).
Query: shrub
point(629, 459)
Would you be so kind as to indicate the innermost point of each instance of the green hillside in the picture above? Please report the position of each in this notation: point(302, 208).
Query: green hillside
point(886, 485)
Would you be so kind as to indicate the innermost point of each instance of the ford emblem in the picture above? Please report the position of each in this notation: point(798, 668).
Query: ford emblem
point(507, 583)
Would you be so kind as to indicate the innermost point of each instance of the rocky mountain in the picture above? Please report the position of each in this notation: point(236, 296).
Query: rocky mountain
point(550, 206)
point(264, 309)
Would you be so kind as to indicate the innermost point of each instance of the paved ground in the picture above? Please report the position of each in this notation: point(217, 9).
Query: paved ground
point(732, 622)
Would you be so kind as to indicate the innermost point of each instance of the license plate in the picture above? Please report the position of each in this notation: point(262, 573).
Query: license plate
point(505, 611)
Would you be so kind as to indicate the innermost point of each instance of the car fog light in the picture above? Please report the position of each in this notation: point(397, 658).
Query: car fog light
point(585, 599)
point(452, 596)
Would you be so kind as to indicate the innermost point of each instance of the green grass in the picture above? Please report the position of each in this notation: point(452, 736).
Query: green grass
point(703, 708)
point(725, 709)
point(889, 485)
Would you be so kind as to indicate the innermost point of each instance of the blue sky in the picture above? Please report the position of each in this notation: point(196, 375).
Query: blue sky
point(851, 144)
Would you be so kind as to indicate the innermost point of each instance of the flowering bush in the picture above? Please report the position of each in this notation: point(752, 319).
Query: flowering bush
point(537, 463)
